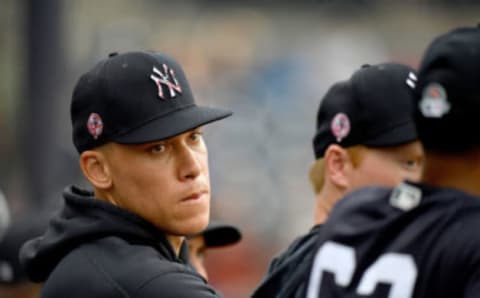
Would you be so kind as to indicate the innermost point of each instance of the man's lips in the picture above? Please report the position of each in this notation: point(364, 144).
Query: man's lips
point(195, 196)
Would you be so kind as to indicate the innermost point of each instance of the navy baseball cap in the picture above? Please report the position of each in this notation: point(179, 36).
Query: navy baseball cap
point(374, 108)
point(135, 97)
point(448, 92)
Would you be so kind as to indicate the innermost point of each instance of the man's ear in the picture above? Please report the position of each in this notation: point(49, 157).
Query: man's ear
point(95, 168)
point(338, 166)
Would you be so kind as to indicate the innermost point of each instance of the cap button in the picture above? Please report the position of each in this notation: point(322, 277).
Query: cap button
point(365, 65)
point(112, 54)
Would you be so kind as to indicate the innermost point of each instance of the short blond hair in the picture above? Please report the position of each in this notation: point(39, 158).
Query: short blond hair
point(317, 170)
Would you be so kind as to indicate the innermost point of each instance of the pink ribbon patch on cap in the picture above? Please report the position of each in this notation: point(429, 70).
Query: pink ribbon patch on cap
point(95, 125)
point(340, 126)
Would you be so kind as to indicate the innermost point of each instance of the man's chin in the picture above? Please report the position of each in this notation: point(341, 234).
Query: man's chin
point(192, 226)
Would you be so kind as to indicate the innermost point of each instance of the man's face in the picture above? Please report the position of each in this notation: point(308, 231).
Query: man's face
point(165, 182)
point(388, 166)
point(197, 248)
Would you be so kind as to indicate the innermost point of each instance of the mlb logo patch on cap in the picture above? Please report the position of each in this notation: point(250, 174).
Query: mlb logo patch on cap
point(434, 103)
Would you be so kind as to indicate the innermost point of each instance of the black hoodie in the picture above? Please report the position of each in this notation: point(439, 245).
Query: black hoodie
point(95, 249)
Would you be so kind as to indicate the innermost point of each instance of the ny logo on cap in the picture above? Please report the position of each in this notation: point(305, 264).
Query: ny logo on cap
point(165, 78)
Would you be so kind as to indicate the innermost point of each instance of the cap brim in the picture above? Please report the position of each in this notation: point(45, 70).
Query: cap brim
point(221, 235)
point(172, 124)
point(397, 136)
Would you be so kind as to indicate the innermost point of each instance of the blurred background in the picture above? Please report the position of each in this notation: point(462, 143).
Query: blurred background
point(268, 61)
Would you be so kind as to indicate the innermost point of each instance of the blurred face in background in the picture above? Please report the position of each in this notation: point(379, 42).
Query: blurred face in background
point(388, 166)
point(359, 166)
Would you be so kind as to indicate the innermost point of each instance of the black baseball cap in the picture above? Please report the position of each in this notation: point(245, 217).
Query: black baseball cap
point(448, 92)
point(220, 234)
point(373, 108)
point(21, 229)
point(135, 97)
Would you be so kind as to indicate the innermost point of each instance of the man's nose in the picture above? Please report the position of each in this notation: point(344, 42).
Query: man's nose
point(189, 163)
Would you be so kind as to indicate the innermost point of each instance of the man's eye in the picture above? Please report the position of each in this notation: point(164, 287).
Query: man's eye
point(413, 163)
point(158, 148)
point(195, 136)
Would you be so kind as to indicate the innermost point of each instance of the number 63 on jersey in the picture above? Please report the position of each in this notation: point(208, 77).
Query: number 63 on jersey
point(395, 269)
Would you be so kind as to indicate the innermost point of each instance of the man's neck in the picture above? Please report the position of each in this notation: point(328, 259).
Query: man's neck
point(324, 202)
point(176, 243)
point(457, 171)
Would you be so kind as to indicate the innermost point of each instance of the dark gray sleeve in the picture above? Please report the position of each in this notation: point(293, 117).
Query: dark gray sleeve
point(283, 256)
point(469, 252)
point(176, 285)
point(472, 289)
point(463, 244)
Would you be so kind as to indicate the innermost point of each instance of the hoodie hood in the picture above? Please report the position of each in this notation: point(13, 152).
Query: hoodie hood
point(85, 219)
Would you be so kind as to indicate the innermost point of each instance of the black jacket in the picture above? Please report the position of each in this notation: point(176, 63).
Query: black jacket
point(94, 249)
point(288, 272)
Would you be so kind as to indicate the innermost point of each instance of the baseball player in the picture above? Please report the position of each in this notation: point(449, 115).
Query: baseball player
point(138, 131)
point(365, 136)
point(216, 235)
point(417, 240)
